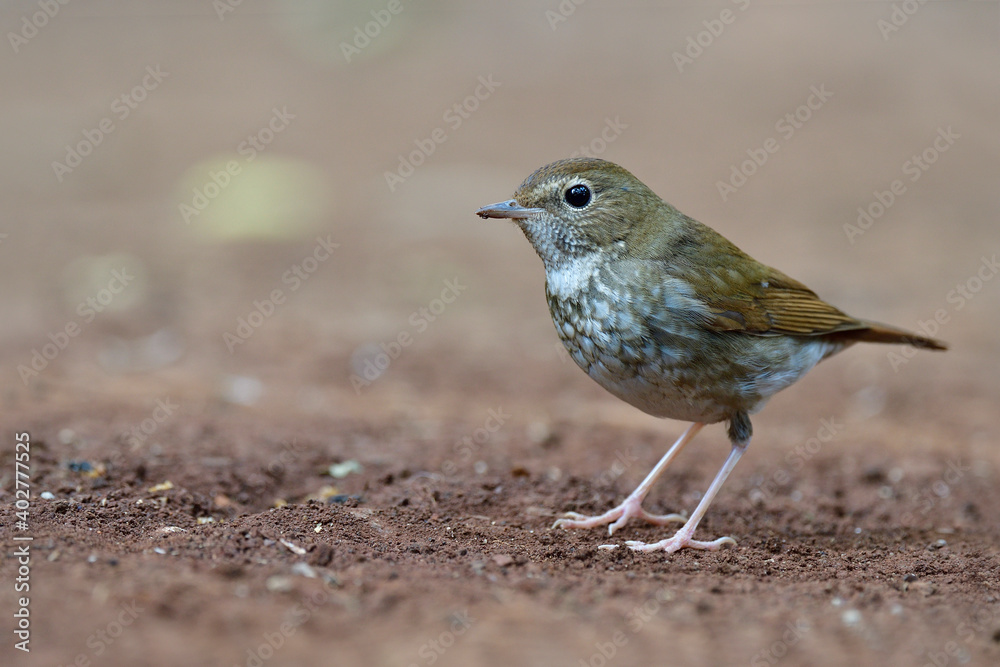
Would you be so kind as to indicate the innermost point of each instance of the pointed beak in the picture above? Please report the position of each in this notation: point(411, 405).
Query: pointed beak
point(508, 209)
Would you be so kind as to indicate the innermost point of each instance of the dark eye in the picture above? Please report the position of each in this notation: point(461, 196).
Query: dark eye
point(578, 195)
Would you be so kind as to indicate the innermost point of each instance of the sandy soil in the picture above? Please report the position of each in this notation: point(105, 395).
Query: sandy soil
point(218, 476)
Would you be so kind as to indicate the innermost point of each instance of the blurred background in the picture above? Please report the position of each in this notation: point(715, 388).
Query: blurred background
point(207, 149)
point(265, 209)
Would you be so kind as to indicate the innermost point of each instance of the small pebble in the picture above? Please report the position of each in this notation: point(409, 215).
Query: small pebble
point(279, 584)
point(538, 432)
point(47, 495)
point(342, 498)
point(294, 548)
point(363, 361)
point(851, 617)
point(304, 570)
point(163, 486)
point(80, 466)
point(241, 390)
point(341, 470)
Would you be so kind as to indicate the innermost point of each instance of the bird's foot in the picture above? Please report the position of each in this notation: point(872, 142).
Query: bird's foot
point(680, 540)
point(617, 517)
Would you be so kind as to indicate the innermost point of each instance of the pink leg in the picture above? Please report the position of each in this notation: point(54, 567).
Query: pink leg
point(682, 538)
point(632, 506)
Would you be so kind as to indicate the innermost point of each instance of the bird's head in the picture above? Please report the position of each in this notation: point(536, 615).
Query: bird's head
point(581, 206)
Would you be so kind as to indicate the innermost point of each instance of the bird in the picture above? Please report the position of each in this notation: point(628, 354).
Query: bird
point(671, 317)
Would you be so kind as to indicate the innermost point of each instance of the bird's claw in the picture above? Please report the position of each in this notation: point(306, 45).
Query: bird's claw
point(678, 542)
point(616, 517)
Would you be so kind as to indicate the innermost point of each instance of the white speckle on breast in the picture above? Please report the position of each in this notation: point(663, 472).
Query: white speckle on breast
point(573, 276)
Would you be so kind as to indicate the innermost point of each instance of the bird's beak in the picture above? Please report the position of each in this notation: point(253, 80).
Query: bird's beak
point(508, 209)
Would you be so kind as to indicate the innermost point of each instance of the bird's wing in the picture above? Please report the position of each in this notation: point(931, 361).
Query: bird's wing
point(771, 305)
point(782, 305)
point(727, 290)
point(715, 285)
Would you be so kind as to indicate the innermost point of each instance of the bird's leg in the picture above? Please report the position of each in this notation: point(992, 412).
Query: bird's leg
point(632, 506)
point(682, 538)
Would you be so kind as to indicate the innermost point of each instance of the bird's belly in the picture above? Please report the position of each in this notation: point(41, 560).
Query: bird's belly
point(656, 383)
point(652, 377)
point(661, 397)
point(690, 374)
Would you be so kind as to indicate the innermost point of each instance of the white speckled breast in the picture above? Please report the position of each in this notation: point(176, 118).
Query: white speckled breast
point(645, 346)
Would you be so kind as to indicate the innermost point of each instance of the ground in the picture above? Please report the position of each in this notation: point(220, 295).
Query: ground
point(289, 402)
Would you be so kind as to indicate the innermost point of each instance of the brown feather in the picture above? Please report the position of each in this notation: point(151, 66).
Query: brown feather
point(786, 306)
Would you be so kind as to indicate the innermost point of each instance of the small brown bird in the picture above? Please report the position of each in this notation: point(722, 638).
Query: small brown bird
point(669, 316)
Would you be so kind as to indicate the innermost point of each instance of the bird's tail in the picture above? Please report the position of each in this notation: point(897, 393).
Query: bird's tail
point(873, 332)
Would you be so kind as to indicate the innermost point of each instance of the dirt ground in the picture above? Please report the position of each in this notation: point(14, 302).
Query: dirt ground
point(289, 402)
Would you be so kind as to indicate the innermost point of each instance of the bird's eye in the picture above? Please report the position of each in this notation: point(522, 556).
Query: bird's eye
point(578, 195)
